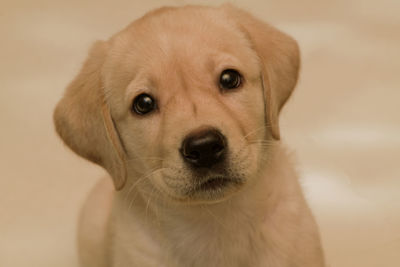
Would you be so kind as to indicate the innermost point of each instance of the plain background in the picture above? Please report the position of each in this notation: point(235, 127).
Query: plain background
point(343, 122)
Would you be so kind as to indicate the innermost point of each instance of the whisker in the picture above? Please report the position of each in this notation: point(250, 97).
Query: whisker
point(138, 181)
point(215, 217)
point(144, 159)
point(262, 142)
point(253, 132)
point(148, 203)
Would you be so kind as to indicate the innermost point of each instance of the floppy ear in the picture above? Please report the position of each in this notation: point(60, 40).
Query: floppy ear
point(83, 120)
point(280, 60)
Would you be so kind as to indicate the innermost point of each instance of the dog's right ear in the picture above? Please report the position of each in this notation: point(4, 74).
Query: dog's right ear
point(280, 61)
point(83, 119)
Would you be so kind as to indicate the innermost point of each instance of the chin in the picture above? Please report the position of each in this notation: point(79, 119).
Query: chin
point(209, 191)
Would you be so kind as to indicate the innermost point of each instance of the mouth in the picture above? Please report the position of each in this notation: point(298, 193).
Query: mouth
point(214, 188)
point(212, 184)
point(204, 186)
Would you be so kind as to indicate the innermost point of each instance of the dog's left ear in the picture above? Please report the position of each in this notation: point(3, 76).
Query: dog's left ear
point(280, 60)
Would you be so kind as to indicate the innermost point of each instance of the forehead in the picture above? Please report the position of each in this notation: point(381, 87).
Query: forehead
point(190, 38)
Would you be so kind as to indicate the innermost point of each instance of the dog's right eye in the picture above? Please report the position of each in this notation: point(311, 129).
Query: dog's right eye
point(143, 104)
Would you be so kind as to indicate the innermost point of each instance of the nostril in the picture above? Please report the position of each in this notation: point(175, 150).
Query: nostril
point(217, 148)
point(193, 155)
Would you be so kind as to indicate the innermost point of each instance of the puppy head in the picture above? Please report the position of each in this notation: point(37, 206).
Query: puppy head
point(183, 102)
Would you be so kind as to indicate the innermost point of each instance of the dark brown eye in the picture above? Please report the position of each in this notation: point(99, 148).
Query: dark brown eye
point(230, 79)
point(143, 104)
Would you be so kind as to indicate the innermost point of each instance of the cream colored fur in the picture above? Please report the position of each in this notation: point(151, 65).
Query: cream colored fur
point(177, 55)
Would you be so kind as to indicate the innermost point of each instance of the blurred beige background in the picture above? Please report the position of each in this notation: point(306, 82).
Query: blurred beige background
point(343, 122)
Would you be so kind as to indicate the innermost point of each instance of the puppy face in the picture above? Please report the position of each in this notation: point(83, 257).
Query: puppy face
point(181, 70)
point(190, 105)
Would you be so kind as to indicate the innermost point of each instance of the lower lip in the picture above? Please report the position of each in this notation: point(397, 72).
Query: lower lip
point(214, 184)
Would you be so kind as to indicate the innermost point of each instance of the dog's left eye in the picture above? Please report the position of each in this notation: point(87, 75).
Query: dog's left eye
point(230, 79)
point(143, 104)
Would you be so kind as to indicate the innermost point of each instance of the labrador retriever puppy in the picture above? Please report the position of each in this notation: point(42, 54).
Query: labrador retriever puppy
point(181, 108)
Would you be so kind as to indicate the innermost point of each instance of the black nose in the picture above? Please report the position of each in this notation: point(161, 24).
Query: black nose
point(204, 148)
